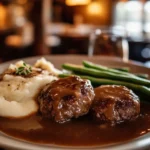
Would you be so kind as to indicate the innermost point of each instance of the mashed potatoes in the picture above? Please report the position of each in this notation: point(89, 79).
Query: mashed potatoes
point(45, 65)
point(17, 93)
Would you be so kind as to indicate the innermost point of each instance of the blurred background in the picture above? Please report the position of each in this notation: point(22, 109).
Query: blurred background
point(41, 27)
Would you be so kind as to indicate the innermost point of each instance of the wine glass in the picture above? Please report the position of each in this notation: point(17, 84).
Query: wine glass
point(110, 41)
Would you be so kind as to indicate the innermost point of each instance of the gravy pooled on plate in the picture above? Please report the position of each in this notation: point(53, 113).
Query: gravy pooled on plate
point(83, 131)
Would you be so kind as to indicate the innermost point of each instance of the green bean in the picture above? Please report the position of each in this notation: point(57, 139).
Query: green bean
point(105, 74)
point(145, 76)
point(103, 68)
point(124, 69)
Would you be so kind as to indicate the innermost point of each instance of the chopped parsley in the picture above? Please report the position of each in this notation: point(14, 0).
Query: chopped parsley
point(24, 69)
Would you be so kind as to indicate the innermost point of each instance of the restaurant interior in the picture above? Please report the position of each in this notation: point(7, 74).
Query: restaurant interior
point(87, 27)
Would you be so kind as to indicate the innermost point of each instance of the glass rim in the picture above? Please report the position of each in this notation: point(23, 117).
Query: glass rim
point(113, 30)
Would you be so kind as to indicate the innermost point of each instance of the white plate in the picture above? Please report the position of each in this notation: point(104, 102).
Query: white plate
point(142, 142)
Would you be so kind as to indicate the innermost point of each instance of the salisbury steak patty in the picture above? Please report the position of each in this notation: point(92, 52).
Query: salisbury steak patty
point(66, 98)
point(115, 104)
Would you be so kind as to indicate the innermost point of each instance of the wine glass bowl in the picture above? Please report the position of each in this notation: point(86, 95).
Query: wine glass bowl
point(110, 41)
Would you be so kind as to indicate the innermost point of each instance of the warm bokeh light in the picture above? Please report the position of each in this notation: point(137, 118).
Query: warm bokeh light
point(13, 40)
point(22, 2)
point(77, 2)
point(3, 14)
point(94, 8)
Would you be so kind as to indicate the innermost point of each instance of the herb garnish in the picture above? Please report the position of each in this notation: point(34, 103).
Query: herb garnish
point(24, 70)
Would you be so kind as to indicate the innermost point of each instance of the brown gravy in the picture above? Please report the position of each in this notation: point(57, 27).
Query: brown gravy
point(78, 132)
